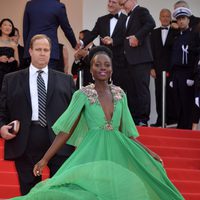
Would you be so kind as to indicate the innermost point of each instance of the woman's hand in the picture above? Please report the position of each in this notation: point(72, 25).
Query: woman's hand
point(3, 59)
point(157, 157)
point(5, 134)
point(11, 59)
point(153, 154)
point(133, 41)
point(38, 168)
point(107, 40)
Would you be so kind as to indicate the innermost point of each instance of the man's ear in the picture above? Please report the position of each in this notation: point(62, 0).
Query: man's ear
point(30, 51)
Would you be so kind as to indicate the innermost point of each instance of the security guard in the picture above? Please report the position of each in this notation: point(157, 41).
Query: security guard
point(184, 58)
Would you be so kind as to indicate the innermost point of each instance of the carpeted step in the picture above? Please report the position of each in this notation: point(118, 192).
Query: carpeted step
point(176, 152)
point(183, 174)
point(9, 191)
point(190, 196)
point(8, 178)
point(1, 152)
point(160, 132)
point(180, 150)
point(172, 141)
point(181, 163)
point(187, 186)
point(7, 165)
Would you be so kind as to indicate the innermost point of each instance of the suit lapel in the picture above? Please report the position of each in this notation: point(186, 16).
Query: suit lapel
point(160, 37)
point(51, 84)
point(134, 12)
point(25, 84)
point(106, 25)
point(168, 36)
point(120, 24)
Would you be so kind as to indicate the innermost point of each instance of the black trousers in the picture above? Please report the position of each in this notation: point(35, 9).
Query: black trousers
point(184, 97)
point(36, 148)
point(120, 72)
point(171, 111)
point(138, 93)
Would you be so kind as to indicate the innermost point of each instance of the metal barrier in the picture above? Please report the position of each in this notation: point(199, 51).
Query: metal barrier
point(163, 99)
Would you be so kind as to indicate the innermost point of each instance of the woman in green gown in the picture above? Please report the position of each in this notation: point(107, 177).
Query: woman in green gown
point(108, 163)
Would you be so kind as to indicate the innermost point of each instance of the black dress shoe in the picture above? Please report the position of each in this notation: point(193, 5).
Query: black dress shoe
point(156, 125)
point(171, 122)
point(142, 124)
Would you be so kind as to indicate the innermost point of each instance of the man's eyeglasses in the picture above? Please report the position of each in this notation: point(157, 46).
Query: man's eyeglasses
point(123, 4)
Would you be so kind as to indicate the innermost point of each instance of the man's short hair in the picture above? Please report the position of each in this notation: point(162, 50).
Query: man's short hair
point(38, 37)
point(182, 4)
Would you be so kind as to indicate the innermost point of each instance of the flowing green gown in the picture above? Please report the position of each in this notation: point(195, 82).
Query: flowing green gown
point(106, 165)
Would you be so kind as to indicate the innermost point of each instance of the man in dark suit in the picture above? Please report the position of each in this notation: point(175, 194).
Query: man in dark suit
point(44, 17)
point(138, 55)
point(81, 64)
point(162, 39)
point(21, 99)
point(110, 28)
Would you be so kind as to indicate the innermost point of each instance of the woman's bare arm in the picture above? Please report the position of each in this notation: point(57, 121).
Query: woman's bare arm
point(153, 154)
point(58, 142)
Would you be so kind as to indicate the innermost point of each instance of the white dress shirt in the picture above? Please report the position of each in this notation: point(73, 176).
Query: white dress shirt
point(33, 88)
point(113, 22)
point(164, 33)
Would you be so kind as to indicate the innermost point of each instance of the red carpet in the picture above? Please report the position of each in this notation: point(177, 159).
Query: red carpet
point(179, 149)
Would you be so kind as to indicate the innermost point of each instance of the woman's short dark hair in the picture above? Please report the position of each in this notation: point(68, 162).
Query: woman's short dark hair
point(100, 50)
point(13, 28)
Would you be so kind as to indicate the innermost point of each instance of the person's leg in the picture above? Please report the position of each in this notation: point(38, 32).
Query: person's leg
point(158, 96)
point(55, 163)
point(38, 143)
point(196, 117)
point(24, 166)
point(138, 92)
point(171, 109)
point(120, 78)
point(186, 94)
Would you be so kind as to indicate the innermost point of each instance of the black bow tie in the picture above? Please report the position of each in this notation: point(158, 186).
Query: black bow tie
point(115, 16)
point(164, 28)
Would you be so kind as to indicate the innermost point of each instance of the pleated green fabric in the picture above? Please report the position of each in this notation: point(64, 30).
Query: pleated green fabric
point(106, 165)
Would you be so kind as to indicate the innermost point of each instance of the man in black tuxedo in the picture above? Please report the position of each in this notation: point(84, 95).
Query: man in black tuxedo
point(110, 28)
point(44, 17)
point(21, 99)
point(162, 39)
point(138, 55)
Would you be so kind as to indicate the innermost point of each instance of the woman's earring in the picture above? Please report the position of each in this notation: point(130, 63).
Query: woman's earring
point(110, 80)
point(92, 77)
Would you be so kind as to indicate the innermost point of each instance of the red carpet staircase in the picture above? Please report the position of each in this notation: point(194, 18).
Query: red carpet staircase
point(179, 149)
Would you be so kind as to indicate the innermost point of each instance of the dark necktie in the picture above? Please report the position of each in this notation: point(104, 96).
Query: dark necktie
point(42, 96)
point(164, 28)
point(115, 16)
